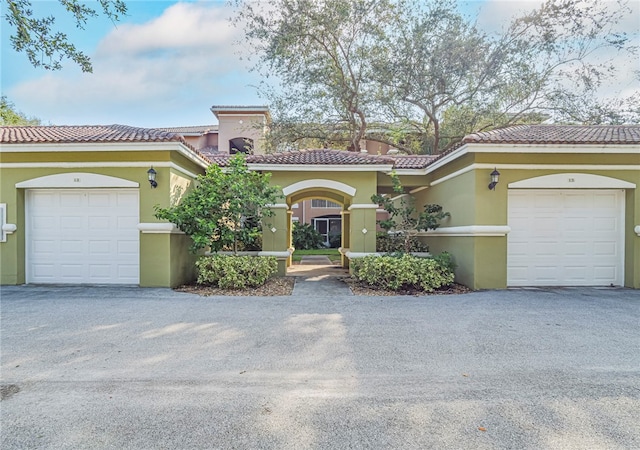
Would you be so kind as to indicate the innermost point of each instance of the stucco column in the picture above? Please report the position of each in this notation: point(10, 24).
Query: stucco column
point(346, 237)
point(362, 228)
point(276, 236)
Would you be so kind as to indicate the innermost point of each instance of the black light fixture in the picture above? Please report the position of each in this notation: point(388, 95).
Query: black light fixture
point(151, 173)
point(495, 175)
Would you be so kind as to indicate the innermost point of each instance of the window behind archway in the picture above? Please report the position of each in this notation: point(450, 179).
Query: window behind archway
point(240, 145)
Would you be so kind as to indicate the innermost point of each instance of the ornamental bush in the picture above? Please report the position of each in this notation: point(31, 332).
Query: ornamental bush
point(396, 243)
point(305, 237)
point(235, 272)
point(405, 272)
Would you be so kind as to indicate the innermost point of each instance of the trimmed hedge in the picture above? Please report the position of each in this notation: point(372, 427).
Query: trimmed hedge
point(235, 272)
point(403, 273)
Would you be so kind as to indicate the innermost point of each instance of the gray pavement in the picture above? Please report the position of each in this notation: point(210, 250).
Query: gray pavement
point(131, 368)
point(317, 276)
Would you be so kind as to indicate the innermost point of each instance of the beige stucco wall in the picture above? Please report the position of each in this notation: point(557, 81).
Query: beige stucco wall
point(234, 125)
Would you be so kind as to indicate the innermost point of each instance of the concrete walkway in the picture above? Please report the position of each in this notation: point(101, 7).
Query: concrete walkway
point(316, 275)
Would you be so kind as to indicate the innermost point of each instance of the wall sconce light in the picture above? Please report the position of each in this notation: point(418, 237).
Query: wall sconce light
point(151, 173)
point(495, 175)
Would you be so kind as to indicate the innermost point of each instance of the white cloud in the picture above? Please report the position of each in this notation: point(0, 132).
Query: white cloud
point(164, 72)
point(171, 69)
point(183, 26)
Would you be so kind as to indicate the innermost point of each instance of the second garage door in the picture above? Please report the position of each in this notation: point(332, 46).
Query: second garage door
point(565, 237)
point(81, 236)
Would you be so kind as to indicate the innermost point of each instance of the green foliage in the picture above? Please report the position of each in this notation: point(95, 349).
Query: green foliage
point(405, 220)
point(226, 208)
point(43, 44)
point(445, 259)
point(420, 75)
point(402, 273)
point(335, 240)
point(320, 51)
point(235, 272)
point(397, 243)
point(10, 116)
point(305, 237)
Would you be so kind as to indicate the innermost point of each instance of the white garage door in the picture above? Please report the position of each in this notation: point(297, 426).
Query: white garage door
point(82, 236)
point(565, 237)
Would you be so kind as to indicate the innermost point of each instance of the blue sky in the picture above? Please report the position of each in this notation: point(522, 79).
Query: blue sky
point(167, 63)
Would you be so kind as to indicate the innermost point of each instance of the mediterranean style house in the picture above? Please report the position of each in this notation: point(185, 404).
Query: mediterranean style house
point(530, 205)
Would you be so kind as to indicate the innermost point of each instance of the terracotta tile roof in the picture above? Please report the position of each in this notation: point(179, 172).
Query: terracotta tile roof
point(413, 161)
point(199, 129)
point(84, 134)
point(320, 157)
point(220, 159)
point(559, 134)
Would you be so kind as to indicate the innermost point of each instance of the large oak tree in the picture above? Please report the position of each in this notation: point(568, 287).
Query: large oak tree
point(419, 76)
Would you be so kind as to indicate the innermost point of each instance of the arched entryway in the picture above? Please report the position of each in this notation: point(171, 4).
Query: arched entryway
point(323, 189)
point(348, 179)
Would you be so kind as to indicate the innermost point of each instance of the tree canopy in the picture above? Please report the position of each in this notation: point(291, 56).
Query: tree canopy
point(9, 115)
point(420, 75)
point(43, 43)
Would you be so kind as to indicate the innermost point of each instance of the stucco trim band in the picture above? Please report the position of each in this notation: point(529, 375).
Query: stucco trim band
point(86, 165)
point(318, 183)
point(490, 166)
point(159, 228)
point(284, 254)
point(355, 255)
point(469, 230)
point(107, 147)
point(363, 206)
point(77, 180)
point(572, 181)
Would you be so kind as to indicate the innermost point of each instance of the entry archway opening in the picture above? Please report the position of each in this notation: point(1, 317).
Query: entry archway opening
point(326, 211)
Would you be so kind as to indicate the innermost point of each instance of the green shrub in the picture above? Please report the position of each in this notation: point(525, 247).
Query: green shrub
point(305, 237)
point(335, 240)
point(402, 273)
point(235, 272)
point(393, 243)
point(446, 260)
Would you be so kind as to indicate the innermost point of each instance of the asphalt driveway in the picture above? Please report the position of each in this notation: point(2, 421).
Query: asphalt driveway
point(130, 368)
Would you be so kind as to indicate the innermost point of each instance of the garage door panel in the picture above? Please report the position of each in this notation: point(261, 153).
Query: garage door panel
point(127, 199)
point(69, 247)
point(573, 249)
point(70, 200)
point(99, 200)
point(548, 248)
point(82, 236)
point(126, 222)
point(44, 271)
point(605, 249)
point(72, 223)
point(99, 223)
point(565, 237)
point(605, 224)
point(547, 273)
point(100, 248)
point(127, 247)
